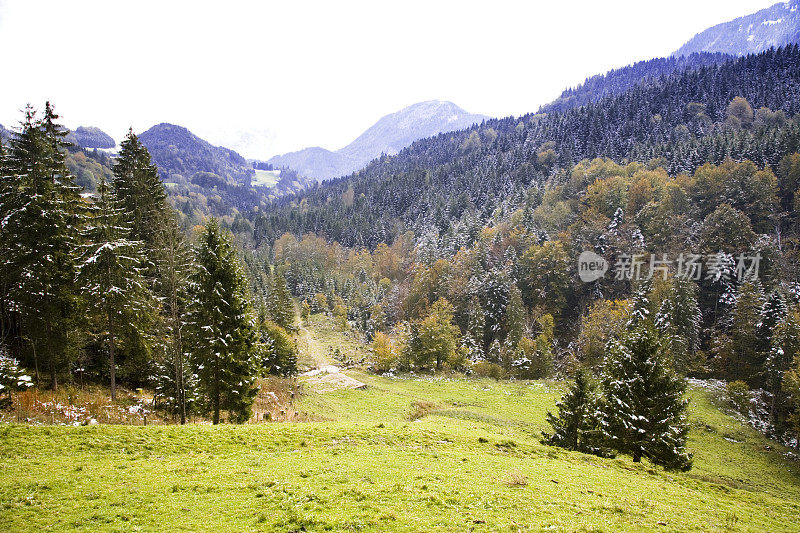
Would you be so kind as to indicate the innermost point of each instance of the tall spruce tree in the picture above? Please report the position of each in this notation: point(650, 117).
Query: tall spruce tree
point(578, 425)
point(112, 281)
point(42, 214)
point(141, 193)
point(678, 320)
point(174, 266)
point(223, 329)
point(473, 337)
point(279, 302)
point(645, 413)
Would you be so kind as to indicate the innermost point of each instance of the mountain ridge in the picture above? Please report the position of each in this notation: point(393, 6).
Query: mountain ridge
point(772, 27)
point(389, 135)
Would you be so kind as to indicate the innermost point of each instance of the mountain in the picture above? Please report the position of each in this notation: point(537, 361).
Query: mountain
point(388, 136)
point(90, 137)
point(203, 179)
point(180, 156)
point(774, 26)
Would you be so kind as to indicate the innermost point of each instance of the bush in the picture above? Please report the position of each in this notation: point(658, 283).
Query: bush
point(386, 353)
point(739, 395)
point(11, 377)
point(485, 369)
point(276, 351)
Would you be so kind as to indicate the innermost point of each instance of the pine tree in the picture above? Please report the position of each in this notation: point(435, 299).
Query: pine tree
point(514, 320)
point(141, 193)
point(223, 333)
point(678, 321)
point(276, 350)
point(112, 281)
point(176, 386)
point(785, 349)
point(476, 323)
point(645, 413)
point(12, 377)
point(578, 425)
point(744, 356)
point(42, 214)
point(279, 302)
point(174, 266)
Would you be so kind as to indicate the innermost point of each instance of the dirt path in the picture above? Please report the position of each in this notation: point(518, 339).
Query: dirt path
point(319, 370)
point(312, 354)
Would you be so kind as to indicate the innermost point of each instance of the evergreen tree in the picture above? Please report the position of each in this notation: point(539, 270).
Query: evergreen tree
point(12, 378)
point(42, 215)
point(785, 349)
point(280, 306)
point(476, 323)
point(514, 320)
point(743, 354)
point(678, 321)
point(141, 193)
point(176, 386)
point(222, 327)
point(645, 413)
point(276, 350)
point(112, 281)
point(174, 267)
point(578, 425)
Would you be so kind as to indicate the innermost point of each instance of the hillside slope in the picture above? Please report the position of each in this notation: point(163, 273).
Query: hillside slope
point(90, 137)
point(620, 80)
point(453, 180)
point(772, 27)
point(410, 453)
point(389, 135)
point(180, 155)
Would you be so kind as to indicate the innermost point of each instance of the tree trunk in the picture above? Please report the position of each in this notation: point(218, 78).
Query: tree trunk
point(52, 363)
point(637, 456)
point(36, 365)
point(176, 328)
point(216, 390)
point(111, 356)
point(53, 375)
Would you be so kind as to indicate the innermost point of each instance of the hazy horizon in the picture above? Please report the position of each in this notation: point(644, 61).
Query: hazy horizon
point(254, 77)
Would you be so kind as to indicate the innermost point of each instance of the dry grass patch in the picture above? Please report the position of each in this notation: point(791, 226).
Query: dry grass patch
point(421, 408)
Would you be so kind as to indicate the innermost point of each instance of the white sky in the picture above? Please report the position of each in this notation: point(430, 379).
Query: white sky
point(290, 74)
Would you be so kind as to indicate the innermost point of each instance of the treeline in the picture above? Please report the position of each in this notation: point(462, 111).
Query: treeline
point(509, 301)
point(449, 180)
point(104, 286)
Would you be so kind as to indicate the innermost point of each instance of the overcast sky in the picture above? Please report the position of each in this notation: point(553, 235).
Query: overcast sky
point(270, 77)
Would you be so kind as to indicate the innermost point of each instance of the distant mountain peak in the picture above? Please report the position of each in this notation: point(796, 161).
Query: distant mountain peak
point(388, 135)
point(772, 27)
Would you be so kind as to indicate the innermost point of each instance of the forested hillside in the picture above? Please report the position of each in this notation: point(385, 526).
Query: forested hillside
point(620, 80)
point(444, 182)
point(463, 251)
point(90, 137)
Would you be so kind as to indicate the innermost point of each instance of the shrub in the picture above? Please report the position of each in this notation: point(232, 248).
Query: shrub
point(386, 353)
point(739, 395)
point(485, 369)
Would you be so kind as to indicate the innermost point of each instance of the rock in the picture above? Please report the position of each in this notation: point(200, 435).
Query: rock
point(335, 381)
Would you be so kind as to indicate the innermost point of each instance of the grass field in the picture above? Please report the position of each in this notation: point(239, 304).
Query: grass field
point(406, 454)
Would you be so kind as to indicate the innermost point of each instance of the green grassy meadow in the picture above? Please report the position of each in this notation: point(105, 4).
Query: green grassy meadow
point(413, 453)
